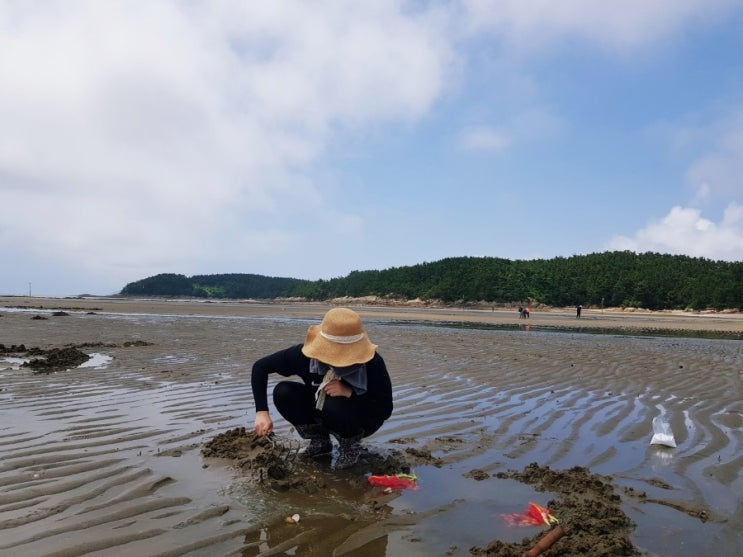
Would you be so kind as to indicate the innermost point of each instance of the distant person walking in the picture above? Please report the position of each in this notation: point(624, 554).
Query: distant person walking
point(578, 310)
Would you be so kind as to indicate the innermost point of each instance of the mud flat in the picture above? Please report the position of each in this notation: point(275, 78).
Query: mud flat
point(108, 458)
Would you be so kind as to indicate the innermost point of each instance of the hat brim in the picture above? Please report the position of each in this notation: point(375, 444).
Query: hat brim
point(335, 354)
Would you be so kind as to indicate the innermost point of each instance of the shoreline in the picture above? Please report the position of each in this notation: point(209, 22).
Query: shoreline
point(727, 324)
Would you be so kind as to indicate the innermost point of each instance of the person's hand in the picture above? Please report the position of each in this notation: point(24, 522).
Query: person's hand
point(336, 387)
point(263, 423)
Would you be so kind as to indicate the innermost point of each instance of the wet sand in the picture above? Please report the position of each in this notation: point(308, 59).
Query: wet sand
point(106, 459)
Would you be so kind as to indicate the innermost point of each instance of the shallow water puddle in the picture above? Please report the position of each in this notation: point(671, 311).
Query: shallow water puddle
point(459, 521)
point(444, 515)
point(12, 363)
point(663, 530)
point(97, 361)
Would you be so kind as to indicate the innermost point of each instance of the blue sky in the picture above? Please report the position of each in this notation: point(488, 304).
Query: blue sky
point(309, 140)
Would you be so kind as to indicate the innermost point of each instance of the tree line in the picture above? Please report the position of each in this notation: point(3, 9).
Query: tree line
point(233, 285)
point(610, 279)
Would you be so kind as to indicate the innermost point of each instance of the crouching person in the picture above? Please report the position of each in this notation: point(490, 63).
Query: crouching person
point(345, 389)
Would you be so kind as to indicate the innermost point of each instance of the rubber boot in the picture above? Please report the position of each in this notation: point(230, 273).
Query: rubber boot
point(349, 451)
point(319, 438)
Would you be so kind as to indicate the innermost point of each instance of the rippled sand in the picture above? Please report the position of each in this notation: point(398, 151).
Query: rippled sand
point(105, 459)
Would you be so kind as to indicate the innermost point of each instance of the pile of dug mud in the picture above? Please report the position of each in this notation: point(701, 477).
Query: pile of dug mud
point(277, 462)
point(586, 504)
point(588, 509)
point(47, 361)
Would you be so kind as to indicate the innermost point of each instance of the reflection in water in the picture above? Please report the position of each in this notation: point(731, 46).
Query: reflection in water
point(318, 536)
point(660, 457)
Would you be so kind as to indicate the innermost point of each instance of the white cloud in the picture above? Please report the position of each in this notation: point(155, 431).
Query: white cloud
point(714, 176)
point(532, 124)
point(142, 137)
point(701, 194)
point(483, 138)
point(140, 134)
point(717, 171)
point(684, 231)
point(614, 25)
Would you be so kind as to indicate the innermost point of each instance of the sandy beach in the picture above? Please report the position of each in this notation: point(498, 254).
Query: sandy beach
point(106, 459)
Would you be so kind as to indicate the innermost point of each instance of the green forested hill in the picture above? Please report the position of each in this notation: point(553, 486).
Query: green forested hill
point(232, 285)
point(611, 279)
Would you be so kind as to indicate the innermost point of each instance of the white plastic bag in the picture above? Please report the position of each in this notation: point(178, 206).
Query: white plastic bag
point(662, 434)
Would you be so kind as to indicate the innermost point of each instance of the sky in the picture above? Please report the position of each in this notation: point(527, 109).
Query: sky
point(312, 139)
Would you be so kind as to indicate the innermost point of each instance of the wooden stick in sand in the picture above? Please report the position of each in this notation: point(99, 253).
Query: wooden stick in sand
point(546, 541)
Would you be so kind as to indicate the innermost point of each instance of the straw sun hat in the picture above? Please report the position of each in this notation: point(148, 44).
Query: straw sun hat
point(339, 340)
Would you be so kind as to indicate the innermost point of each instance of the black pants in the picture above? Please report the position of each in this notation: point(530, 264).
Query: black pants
point(296, 403)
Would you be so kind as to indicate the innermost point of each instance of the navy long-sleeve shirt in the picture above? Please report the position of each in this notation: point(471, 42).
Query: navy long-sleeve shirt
point(376, 402)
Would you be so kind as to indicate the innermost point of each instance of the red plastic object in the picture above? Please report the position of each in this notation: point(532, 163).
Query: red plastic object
point(535, 515)
point(397, 482)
